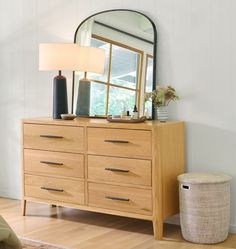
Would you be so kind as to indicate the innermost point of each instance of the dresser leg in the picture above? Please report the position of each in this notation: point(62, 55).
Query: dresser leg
point(23, 207)
point(157, 229)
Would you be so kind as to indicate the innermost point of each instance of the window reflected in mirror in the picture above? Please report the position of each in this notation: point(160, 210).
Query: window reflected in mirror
point(98, 43)
point(119, 88)
point(125, 66)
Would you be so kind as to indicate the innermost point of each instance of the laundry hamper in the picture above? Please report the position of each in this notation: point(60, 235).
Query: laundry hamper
point(204, 207)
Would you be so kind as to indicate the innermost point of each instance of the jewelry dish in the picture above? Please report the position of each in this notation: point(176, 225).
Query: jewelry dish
point(68, 116)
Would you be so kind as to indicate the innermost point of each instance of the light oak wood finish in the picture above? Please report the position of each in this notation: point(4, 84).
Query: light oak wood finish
point(54, 163)
point(55, 138)
point(129, 169)
point(119, 170)
point(170, 144)
point(54, 189)
point(98, 122)
point(90, 208)
point(117, 142)
point(120, 198)
point(78, 229)
point(169, 161)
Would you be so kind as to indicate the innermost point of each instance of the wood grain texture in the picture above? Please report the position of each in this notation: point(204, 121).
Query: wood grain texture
point(158, 220)
point(90, 208)
point(135, 171)
point(72, 191)
point(72, 138)
point(131, 199)
point(171, 151)
point(59, 164)
point(78, 229)
point(138, 143)
point(168, 163)
point(96, 122)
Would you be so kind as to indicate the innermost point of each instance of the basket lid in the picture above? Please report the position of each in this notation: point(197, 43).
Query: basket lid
point(198, 177)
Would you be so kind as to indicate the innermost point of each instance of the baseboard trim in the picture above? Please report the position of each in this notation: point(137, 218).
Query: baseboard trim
point(11, 195)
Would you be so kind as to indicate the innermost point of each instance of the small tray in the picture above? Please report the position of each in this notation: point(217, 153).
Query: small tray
point(68, 116)
point(120, 120)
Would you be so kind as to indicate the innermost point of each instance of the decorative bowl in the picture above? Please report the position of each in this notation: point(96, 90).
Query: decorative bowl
point(68, 116)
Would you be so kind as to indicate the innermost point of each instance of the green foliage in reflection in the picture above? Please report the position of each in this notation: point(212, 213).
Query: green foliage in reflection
point(119, 100)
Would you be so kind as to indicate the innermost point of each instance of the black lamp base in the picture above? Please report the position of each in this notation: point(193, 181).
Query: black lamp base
point(60, 102)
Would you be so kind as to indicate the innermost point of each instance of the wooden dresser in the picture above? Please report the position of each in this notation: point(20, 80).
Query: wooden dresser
point(90, 164)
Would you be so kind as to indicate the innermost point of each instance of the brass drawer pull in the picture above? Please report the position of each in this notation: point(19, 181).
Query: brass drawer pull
point(51, 163)
point(50, 136)
point(116, 141)
point(116, 198)
point(117, 170)
point(53, 189)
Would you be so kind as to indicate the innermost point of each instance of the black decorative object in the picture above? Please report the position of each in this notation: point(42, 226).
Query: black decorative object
point(60, 102)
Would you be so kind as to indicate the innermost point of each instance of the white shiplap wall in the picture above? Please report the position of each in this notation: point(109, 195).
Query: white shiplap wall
point(196, 54)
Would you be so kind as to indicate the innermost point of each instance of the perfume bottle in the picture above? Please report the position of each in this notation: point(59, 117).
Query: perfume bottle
point(135, 113)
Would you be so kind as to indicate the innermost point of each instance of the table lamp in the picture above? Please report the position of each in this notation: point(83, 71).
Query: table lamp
point(59, 56)
point(91, 59)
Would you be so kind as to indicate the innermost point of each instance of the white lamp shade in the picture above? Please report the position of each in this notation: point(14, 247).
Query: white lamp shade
point(70, 56)
point(58, 56)
point(91, 59)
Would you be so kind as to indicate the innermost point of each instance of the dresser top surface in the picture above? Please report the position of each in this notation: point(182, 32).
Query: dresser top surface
point(98, 122)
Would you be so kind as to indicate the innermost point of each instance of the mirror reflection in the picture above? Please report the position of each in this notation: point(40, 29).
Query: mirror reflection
point(127, 38)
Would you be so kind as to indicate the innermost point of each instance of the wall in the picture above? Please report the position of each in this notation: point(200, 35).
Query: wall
point(196, 54)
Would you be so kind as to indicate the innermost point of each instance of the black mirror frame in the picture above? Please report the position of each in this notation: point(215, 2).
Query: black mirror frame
point(154, 50)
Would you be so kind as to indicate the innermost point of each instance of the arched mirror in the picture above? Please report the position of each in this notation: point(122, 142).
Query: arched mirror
point(128, 39)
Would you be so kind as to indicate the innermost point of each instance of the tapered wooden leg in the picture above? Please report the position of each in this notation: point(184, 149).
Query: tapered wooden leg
point(158, 229)
point(23, 207)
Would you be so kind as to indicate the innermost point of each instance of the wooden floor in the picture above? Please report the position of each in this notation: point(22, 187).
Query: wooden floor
point(87, 230)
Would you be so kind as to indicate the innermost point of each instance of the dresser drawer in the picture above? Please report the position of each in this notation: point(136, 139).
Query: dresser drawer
point(53, 137)
point(120, 198)
point(54, 163)
point(119, 170)
point(119, 142)
point(69, 191)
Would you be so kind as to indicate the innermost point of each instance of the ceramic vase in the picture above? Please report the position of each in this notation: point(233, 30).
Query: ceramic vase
point(162, 113)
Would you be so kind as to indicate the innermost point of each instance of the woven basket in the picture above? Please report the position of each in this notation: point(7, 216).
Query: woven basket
point(204, 207)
